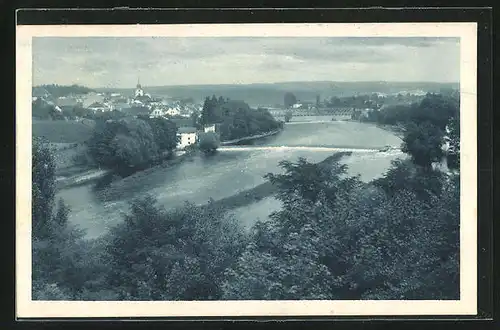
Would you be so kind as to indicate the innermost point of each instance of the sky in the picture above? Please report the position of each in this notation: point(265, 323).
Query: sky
point(118, 62)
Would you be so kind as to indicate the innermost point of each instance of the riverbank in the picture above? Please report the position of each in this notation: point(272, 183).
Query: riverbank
point(82, 178)
point(111, 188)
point(79, 175)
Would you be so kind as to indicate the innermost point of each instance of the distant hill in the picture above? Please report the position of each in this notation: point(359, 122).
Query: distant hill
point(55, 91)
point(273, 93)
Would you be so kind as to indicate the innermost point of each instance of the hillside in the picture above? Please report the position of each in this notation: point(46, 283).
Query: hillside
point(270, 94)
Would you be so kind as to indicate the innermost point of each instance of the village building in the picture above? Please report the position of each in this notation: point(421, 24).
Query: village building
point(175, 111)
point(100, 107)
point(91, 98)
point(67, 102)
point(209, 128)
point(138, 90)
point(156, 113)
point(188, 136)
point(120, 106)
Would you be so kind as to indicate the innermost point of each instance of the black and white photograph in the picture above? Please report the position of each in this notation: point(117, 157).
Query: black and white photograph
point(239, 166)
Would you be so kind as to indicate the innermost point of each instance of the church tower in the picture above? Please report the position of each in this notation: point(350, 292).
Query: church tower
point(138, 90)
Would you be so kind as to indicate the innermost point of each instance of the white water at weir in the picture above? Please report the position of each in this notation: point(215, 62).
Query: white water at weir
point(292, 148)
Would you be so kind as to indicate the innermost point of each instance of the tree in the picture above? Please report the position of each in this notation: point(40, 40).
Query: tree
point(436, 109)
point(396, 114)
point(65, 90)
point(208, 112)
point(452, 139)
point(43, 187)
point(423, 142)
point(339, 238)
point(284, 260)
point(174, 255)
point(165, 133)
point(208, 142)
point(195, 119)
point(289, 100)
point(55, 248)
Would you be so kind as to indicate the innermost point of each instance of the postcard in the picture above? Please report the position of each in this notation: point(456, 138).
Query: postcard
point(240, 170)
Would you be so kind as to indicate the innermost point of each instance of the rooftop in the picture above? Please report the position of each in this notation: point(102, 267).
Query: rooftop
point(186, 130)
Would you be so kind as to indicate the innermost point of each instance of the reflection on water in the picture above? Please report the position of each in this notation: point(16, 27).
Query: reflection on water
point(228, 173)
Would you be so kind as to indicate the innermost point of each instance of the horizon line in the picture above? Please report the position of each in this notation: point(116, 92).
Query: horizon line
point(265, 83)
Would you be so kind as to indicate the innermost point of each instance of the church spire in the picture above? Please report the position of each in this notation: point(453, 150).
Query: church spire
point(138, 82)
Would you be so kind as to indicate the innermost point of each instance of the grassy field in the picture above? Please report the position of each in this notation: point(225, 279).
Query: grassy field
point(59, 131)
point(66, 139)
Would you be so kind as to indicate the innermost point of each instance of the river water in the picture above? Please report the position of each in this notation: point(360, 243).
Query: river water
point(232, 171)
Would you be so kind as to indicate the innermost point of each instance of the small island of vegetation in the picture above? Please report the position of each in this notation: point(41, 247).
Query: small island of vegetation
point(236, 119)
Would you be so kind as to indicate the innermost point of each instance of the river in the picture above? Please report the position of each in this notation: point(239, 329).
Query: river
point(229, 172)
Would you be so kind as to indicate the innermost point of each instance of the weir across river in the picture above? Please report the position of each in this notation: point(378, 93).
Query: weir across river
point(307, 148)
point(292, 148)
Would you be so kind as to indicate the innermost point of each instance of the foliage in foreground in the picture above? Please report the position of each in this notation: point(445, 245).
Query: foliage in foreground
point(56, 245)
point(338, 238)
point(177, 255)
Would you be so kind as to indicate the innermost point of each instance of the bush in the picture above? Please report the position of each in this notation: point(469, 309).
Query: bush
point(208, 142)
point(175, 255)
point(338, 238)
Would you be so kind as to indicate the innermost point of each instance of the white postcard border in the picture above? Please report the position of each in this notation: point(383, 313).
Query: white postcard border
point(467, 305)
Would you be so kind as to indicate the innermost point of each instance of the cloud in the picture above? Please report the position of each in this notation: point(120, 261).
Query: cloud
point(110, 61)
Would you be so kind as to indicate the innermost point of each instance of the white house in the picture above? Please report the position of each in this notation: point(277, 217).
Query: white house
point(173, 112)
point(156, 113)
point(188, 136)
point(297, 105)
point(209, 128)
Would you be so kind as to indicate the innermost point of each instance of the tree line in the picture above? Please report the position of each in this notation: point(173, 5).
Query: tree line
point(41, 109)
point(236, 119)
point(336, 237)
point(56, 90)
point(427, 125)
